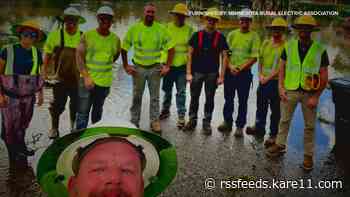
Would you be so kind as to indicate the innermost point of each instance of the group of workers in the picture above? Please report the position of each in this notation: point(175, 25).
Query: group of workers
point(290, 72)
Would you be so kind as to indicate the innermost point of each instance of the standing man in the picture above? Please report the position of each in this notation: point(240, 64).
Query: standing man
point(59, 50)
point(206, 48)
point(180, 33)
point(267, 93)
point(302, 78)
point(20, 83)
point(148, 38)
point(244, 45)
point(98, 50)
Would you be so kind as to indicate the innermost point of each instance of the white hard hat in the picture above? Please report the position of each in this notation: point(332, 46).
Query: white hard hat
point(72, 11)
point(105, 10)
point(245, 13)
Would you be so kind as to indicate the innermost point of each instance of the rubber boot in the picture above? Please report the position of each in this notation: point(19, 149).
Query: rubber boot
point(12, 153)
point(72, 120)
point(54, 133)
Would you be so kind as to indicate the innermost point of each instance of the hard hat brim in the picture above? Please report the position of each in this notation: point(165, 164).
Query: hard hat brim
point(270, 27)
point(81, 19)
point(176, 12)
point(17, 28)
point(312, 27)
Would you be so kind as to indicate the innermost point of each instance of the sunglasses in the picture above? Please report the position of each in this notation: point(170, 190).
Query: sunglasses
point(31, 34)
point(72, 21)
point(106, 18)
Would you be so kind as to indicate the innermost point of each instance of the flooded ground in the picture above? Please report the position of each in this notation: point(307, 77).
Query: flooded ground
point(221, 157)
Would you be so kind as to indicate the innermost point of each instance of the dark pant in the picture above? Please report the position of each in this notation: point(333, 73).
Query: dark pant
point(61, 92)
point(210, 86)
point(267, 94)
point(88, 99)
point(240, 83)
point(179, 78)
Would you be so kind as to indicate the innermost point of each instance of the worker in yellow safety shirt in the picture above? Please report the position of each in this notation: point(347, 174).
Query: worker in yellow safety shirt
point(302, 78)
point(244, 46)
point(59, 51)
point(98, 50)
point(267, 93)
point(181, 33)
point(147, 38)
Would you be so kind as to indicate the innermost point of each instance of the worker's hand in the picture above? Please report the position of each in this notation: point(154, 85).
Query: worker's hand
point(312, 101)
point(220, 80)
point(189, 78)
point(263, 80)
point(88, 83)
point(3, 100)
point(131, 70)
point(235, 71)
point(164, 70)
point(283, 94)
point(40, 98)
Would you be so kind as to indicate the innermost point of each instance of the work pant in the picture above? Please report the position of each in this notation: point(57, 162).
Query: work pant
point(267, 96)
point(90, 100)
point(240, 83)
point(177, 77)
point(210, 84)
point(150, 75)
point(287, 110)
point(61, 92)
point(16, 117)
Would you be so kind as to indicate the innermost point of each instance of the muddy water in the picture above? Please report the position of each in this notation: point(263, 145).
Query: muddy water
point(200, 157)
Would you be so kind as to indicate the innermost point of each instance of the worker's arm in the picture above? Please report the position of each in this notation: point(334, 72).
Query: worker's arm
point(40, 94)
point(80, 58)
point(260, 73)
point(282, 71)
point(189, 64)
point(274, 74)
point(171, 53)
point(166, 68)
point(314, 99)
point(3, 98)
point(130, 70)
point(223, 67)
point(324, 80)
point(116, 56)
point(44, 69)
point(248, 64)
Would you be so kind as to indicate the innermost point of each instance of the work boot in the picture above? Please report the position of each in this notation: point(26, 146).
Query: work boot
point(137, 124)
point(238, 132)
point(164, 114)
point(72, 117)
point(180, 122)
point(255, 131)
point(25, 151)
point(206, 128)
point(276, 150)
point(308, 162)
point(191, 125)
point(53, 132)
point(270, 141)
point(155, 126)
point(225, 127)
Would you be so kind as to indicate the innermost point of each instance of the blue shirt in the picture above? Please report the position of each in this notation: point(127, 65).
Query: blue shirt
point(23, 59)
